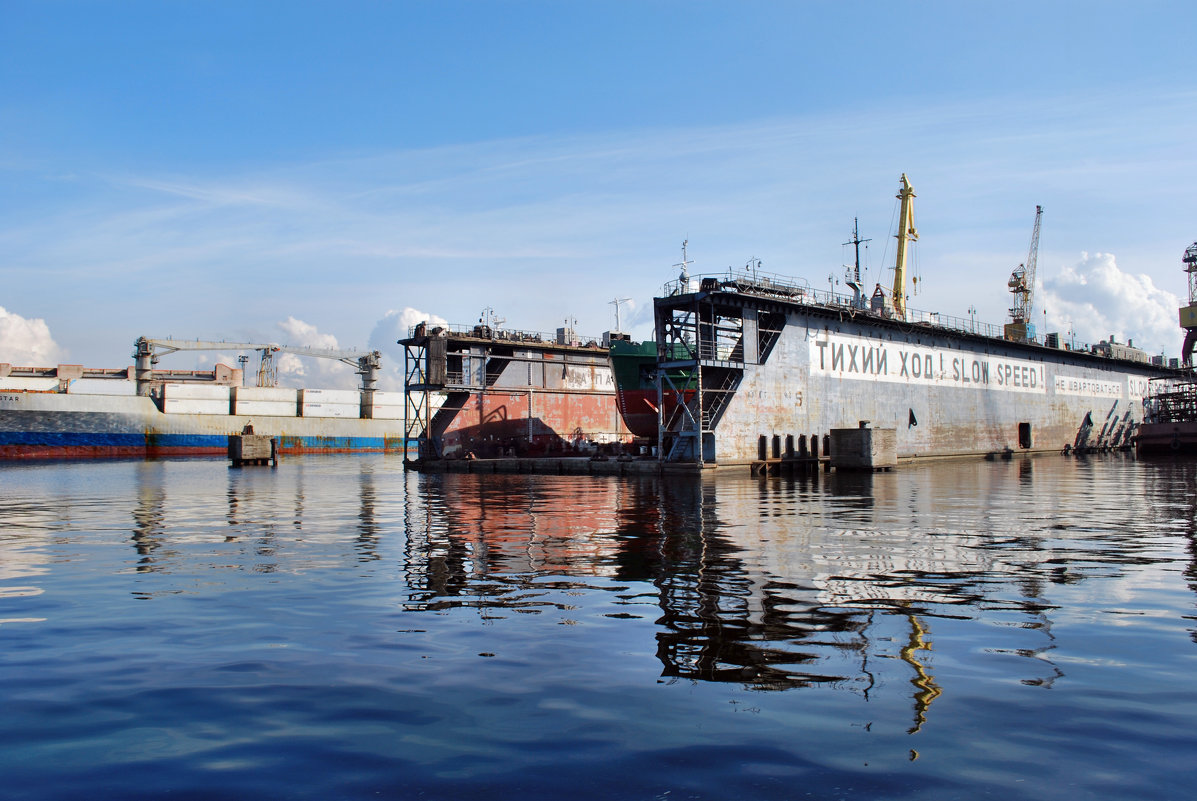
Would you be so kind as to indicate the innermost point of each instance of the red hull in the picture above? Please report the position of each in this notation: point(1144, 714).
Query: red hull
point(639, 409)
point(519, 424)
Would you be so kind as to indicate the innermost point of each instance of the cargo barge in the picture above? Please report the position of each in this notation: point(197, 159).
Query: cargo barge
point(753, 367)
point(72, 412)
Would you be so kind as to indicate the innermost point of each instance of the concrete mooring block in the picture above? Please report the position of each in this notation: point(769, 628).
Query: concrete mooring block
point(252, 449)
point(864, 448)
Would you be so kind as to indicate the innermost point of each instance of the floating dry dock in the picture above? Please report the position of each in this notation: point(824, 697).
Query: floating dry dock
point(762, 366)
point(761, 372)
point(755, 369)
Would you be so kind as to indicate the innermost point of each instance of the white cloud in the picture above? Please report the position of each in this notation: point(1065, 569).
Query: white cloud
point(394, 326)
point(311, 371)
point(298, 370)
point(27, 342)
point(1098, 299)
point(315, 370)
point(636, 315)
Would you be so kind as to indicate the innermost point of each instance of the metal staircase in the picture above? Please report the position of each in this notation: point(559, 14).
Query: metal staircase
point(707, 340)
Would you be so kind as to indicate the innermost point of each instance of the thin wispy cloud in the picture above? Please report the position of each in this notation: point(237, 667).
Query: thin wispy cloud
point(545, 227)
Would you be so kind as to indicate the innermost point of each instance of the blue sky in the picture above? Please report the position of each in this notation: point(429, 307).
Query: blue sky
point(327, 173)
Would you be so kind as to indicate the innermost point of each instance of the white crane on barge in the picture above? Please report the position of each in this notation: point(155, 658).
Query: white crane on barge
point(146, 353)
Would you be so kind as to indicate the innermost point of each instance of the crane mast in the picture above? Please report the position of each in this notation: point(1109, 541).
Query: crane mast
point(1022, 287)
point(906, 234)
point(1188, 314)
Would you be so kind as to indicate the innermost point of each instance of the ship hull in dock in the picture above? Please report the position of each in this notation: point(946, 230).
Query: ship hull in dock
point(634, 365)
point(526, 422)
point(486, 393)
point(639, 408)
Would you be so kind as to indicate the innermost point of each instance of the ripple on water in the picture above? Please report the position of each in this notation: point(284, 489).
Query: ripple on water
point(337, 627)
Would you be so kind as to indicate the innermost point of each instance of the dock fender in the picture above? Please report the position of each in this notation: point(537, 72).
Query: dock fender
point(1175, 443)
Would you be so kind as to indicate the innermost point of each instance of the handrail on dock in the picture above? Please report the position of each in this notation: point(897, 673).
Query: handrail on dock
point(772, 285)
point(478, 331)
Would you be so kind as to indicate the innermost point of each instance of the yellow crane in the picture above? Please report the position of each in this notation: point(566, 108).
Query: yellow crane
point(906, 234)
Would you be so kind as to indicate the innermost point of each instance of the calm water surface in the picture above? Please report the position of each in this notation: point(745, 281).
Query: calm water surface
point(336, 628)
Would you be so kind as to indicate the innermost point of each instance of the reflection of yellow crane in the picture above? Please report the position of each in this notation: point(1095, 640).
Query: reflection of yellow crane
point(926, 690)
point(147, 351)
point(1022, 287)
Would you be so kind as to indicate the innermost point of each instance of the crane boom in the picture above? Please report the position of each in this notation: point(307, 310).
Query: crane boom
point(1022, 287)
point(162, 347)
point(146, 352)
point(1033, 259)
point(906, 235)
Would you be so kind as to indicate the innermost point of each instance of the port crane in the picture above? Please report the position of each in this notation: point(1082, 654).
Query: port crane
point(907, 235)
point(1022, 287)
point(1188, 314)
point(146, 353)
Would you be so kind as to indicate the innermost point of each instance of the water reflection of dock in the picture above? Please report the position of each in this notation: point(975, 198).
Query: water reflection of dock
point(832, 581)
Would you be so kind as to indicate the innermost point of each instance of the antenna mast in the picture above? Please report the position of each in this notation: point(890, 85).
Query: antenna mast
point(684, 277)
point(616, 303)
point(858, 301)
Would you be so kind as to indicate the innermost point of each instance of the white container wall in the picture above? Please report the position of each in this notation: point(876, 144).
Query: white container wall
point(195, 406)
point(196, 392)
point(331, 409)
point(382, 412)
point(271, 394)
point(103, 386)
point(330, 396)
point(265, 408)
point(29, 384)
point(388, 399)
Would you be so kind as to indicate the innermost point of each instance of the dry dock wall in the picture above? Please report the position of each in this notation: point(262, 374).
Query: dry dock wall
point(943, 394)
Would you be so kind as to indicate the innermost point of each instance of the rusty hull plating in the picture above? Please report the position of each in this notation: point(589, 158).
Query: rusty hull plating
point(483, 392)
